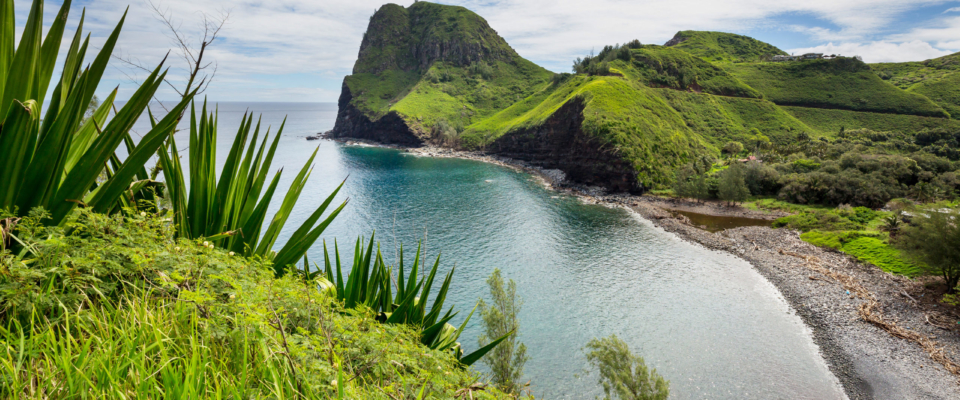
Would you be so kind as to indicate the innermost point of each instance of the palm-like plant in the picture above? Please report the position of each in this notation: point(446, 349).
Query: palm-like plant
point(231, 210)
point(370, 284)
point(54, 161)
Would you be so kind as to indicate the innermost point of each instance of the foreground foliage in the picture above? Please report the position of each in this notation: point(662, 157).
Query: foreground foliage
point(230, 209)
point(117, 306)
point(624, 375)
point(54, 160)
point(369, 285)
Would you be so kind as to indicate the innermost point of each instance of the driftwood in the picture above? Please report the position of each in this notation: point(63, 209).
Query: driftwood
point(869, 311)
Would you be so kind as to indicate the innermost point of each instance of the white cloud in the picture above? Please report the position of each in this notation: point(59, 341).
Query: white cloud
point(271, 45)
point(950, 10)
point(879, 51)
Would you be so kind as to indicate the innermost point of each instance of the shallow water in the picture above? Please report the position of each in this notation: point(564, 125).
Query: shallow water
point(715, 223)
point(707, 321)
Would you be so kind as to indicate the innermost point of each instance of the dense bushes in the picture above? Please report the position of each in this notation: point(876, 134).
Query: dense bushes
point(600, 64)
point(840, 219)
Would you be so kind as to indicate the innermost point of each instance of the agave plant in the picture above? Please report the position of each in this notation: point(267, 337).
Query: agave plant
point(370, 284)
point(230, 210)
point(54, 161)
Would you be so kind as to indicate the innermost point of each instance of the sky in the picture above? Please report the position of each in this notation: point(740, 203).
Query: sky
point(300, 50)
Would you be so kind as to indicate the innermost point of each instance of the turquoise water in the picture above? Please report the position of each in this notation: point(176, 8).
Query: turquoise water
point(705, 320)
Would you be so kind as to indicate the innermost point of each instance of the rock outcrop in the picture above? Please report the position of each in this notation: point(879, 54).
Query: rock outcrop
point(388, 129)
point(560, 143)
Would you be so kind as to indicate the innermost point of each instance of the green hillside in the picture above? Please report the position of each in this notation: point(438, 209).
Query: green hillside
point(722, 119)
point(907, 74)
point(842, 83)
point(634, 120)
point(431, 62)
point(937, 79)
point(677, 69)
point(723, 47)
point(829, 122)
point(451, 80)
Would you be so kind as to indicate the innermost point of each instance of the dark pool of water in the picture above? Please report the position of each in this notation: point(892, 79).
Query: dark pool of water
point(715, 223)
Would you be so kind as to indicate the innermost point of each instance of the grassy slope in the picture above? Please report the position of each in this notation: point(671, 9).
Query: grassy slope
point(944, 91)
point(725, 47)
point(938, 79)
point(625, 115)
point(840, 84)
point(119, 306)
point(657, 129)
point(463, 97)
point(677, 69)
point(828, 122)
point(721, 119)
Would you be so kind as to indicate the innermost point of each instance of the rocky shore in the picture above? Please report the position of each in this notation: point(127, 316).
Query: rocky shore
point(883, 336)
point(871, 359)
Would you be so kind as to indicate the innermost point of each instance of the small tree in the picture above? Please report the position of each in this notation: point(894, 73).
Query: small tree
point(933, 239)
point(500, 318)
point(733, 188)
point(733, 148)
point(624, 375)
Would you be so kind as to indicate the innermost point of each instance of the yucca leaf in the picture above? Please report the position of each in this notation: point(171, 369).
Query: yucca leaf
point(301, 246)
point(430, 334)
point(7, 32)
point(471, 358)
point(305, 236)
point(71, 65)
point(99, 64)
point(340, 288)
point(83, 137)
point(85, 173)
point(251, 230)
point(21, 121)
point(43, 173)
point(453, 338)
point(49, 50)
point(26, 59)
point(402, 313)
point(141, 154)
point(439, 299)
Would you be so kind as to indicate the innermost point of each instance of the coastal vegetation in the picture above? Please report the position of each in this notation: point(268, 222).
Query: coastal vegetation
point(841, 83)
point(622, 374)
point(151, 288)
point(653, 109)
point(932, 239)
point(500, 318)
point(118, 304)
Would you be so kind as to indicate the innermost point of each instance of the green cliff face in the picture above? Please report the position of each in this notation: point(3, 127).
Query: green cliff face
point(440, 74)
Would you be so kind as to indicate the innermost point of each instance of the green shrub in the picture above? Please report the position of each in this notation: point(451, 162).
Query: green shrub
point(819, 220)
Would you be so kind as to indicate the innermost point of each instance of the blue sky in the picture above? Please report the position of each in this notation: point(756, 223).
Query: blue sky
point(299, 50)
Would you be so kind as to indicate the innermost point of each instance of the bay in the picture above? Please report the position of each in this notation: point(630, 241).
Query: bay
point(706, 320)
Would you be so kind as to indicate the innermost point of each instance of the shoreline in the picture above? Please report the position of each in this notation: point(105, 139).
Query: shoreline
point(868, 360)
